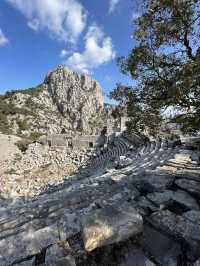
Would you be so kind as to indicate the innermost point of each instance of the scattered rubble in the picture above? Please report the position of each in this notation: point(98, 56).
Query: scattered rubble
point(148, 211)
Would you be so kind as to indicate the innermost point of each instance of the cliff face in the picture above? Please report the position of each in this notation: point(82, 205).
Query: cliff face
point(64, 102)
point(77, 98)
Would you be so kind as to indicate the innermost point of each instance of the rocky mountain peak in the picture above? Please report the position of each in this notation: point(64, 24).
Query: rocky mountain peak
point(61, 71)
point(77, 97)
point(65, 101)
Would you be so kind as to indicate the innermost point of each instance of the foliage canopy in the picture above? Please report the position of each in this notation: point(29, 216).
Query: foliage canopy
point(165, 62)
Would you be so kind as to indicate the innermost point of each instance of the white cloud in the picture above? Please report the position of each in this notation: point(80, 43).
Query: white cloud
point(34, 24)
point(64, 19)
point(64, 53)
point(113, 4)
point(98, 50)
point(3, 39)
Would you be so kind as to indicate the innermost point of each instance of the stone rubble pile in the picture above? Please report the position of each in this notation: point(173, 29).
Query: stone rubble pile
point(30, 173)
point(39, 155)
point(101, 214)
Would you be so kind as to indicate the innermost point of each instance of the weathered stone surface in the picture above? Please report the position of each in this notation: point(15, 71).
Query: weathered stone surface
point(183, 156)
point(59, 254)
point(65, 100)
point(161, 182)
point(93, 207)
point(53, 253)
point(23, 245)
point(7, 151)
point(66, 261)
point(146, 204)
point(68, 225)
point(163, 249)
point(137, 257)
point(110, 225)
point(123, 162)
point(149, 183)
point(195, 157)
point(193, 216)
point(77, 97)
point(27, 263)
point(168, 197)
point(189, 185)
point(179, 228)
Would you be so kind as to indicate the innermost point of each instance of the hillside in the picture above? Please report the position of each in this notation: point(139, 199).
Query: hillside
point(64, 102)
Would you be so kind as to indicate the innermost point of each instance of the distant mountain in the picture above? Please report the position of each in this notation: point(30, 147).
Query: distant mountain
point(64, 103)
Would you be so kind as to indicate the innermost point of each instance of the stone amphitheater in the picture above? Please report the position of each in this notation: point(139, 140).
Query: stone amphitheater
point(132, 203)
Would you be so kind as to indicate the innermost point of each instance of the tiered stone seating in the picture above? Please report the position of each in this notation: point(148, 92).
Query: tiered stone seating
point(156, 195)
point(106, 157)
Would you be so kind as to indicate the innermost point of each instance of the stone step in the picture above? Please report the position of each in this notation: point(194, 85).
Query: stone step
point(110, 225)
point(180, 228)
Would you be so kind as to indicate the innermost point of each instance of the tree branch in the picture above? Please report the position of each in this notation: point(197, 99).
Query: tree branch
point(187, 46)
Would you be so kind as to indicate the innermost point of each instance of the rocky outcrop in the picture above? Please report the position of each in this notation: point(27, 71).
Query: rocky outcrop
point(8, 150)
point(77, 97)
point(102, 217)
point(64, 102)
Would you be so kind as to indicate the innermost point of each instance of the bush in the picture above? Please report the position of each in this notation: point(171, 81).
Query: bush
point(4, 125)
point(17, 157)
point(34, 136)
point(23, 144)
point(34, 92)
point(11, 109)
point(22, 124)
point(10, 171)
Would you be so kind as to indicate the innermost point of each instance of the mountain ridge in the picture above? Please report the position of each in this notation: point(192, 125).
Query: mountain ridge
point(64, 102)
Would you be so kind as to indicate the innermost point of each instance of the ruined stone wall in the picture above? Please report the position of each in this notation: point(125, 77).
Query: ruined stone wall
point(79, 142)
point(88, 141)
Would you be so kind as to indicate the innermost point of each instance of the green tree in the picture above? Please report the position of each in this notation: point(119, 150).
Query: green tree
point(143, 118)
point(165, 61)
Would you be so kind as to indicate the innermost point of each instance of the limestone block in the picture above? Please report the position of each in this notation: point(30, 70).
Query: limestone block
point(110, 225)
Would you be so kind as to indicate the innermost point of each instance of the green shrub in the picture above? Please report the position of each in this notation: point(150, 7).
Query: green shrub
point(4, 125)
point(34, 92)
point(23, 144)
point(10, 109)
point(17, 157)
point(34, 136)
point(22, 124)
point(10, 172)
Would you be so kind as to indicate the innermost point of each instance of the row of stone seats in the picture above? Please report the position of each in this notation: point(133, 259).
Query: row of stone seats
point(105, 209)
point(106, 157)
point(150, 155)
point(37, 216)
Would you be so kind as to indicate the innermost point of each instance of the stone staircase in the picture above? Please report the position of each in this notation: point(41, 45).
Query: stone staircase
point(155, 200)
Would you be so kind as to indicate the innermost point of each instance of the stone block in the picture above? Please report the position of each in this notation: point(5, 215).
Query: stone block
point(110, 225)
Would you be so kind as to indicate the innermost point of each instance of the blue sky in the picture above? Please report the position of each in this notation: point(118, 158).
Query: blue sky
point(86, 35)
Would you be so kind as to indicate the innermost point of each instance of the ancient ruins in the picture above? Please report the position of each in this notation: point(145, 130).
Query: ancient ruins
point(128, 198)
point(100, 210)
